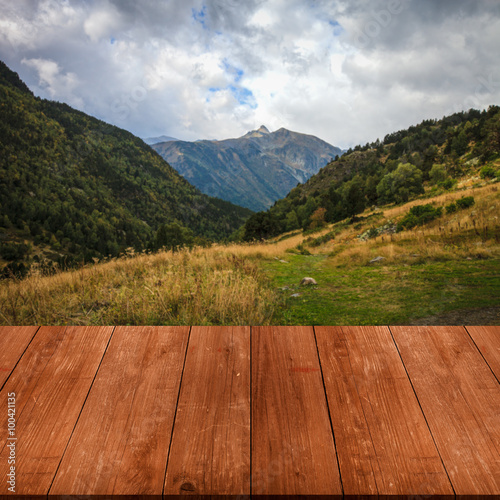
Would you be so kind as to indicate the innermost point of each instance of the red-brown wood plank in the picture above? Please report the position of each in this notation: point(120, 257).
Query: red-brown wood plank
point(460, 398)
point(210, 452)
point(51, 382)
point(293, 450)
point(487, 339)
point(120, 445)
point(13, 342)
point(383, 443)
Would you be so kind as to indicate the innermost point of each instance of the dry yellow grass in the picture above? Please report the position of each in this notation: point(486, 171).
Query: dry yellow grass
point(198, 287)
point(442, 199)
point(271, 249)
point(470, 233)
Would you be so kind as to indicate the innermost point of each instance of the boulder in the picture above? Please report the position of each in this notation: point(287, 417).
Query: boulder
point(308, 281)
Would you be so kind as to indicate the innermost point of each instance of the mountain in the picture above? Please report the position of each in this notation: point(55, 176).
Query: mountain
point(429, 158)
point(73, 187)
point(155, 140)
point(252, 171)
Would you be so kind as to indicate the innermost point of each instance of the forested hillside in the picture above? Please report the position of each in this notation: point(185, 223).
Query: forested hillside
point(73, 188)
point(435, 153)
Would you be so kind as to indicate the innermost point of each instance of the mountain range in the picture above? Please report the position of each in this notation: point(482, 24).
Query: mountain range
point(252, 171)
point(155, 140)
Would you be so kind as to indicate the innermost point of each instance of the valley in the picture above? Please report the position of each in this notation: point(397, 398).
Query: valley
point(446, 272)
point(97, 228)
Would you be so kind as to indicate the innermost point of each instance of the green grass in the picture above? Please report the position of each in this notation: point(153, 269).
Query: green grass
point(381, 294)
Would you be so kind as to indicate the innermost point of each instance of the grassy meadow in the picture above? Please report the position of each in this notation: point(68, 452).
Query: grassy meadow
point(446, 270)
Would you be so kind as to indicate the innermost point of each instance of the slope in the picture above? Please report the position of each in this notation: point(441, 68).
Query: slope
point(78, 188)
point(422, 161)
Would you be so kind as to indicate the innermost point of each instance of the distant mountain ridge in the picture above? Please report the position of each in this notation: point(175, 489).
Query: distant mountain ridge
point(252, 171)
point(155, 140)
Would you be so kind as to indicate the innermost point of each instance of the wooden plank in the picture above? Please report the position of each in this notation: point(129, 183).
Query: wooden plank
point(13, 342)
point(120, 445)
point(51, 383)
point(293, 450)
point(461, 401)
point(487, 340)
point(210, 452)
point(383, 443)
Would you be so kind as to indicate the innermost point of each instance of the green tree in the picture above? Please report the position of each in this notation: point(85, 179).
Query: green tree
point(437, 173)
point(353, 196)
point(173, 236)
point(400, 185)
point(371, 189)
point(261, 225)
point(305, 211)
point(291, 221)
point(460, 143)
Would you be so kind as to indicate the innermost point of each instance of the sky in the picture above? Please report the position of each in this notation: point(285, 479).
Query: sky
point(347, 71)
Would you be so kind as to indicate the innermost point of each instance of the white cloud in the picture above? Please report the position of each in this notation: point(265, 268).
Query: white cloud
point(346, 71)
point(58, 85)
point(103, 22)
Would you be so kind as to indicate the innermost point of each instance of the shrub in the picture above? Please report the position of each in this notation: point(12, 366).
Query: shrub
point(451, 208)
point(447, 183)
point(465, 202)
point(14, 251)
point(487, 173)
point(419, 215)
point(320, 240)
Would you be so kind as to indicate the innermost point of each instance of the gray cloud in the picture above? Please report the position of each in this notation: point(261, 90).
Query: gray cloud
point(346, 71)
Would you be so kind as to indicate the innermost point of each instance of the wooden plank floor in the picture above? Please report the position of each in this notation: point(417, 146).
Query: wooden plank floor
point(157, 412)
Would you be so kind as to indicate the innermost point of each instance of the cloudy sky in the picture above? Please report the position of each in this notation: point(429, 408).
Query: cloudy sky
point(348, 71)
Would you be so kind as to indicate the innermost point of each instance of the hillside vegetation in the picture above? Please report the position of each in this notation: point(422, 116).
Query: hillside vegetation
point(430, 157)
point(73, 188)
point(445, 271)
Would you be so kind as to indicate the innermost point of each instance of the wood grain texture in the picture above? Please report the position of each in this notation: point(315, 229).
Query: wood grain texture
point(487, 340)
point(293, 449)
point(461, 401)
point(13, 342)
point(210, 452)
point(120, 445)
point(51, 383)
point(383, 443)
